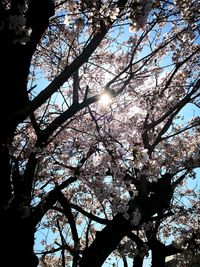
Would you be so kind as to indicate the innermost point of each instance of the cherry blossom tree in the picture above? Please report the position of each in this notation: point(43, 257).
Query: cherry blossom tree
point(96, 164)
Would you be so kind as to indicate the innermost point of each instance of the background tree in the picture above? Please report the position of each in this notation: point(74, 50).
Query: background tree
point(97, 162)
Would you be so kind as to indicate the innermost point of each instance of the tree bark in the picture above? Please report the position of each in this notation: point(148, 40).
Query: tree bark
point(138, 261)
point(15, 59)
point(17, 239)
point(105, 243)
point(160, 252)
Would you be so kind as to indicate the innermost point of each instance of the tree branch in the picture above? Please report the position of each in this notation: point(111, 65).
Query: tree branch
point(68, 213)
point(44, 95)
point(89, 214)
point(48, 202)
point(75, 87)
point(63, 244)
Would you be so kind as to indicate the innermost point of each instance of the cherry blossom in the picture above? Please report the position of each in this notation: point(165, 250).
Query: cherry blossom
point(98, 155)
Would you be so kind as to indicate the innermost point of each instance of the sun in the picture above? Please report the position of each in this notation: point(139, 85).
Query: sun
point(105, 99)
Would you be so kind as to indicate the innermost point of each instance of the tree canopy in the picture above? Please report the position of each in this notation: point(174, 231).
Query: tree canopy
point(99, 136)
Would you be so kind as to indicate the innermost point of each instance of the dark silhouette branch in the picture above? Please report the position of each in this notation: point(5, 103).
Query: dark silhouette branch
point(89, 215)
point(62, 244)
point(75, 87)
point(63, 76)
point(68, 213)
point(106, 242)
point(47, 203)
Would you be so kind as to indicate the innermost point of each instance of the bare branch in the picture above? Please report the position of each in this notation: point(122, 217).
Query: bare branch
point(75, 87)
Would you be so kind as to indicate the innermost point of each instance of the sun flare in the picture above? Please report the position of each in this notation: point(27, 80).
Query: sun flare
point(105, 99)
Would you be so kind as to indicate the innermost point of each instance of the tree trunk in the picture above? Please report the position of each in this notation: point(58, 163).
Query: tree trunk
point(17, 231)
point(158, 253)
point(105, 243)
point(17, 241)
point(138, 261)
point(161, 251)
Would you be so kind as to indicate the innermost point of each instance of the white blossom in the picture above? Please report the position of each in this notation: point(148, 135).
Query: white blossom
point(67, 20)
